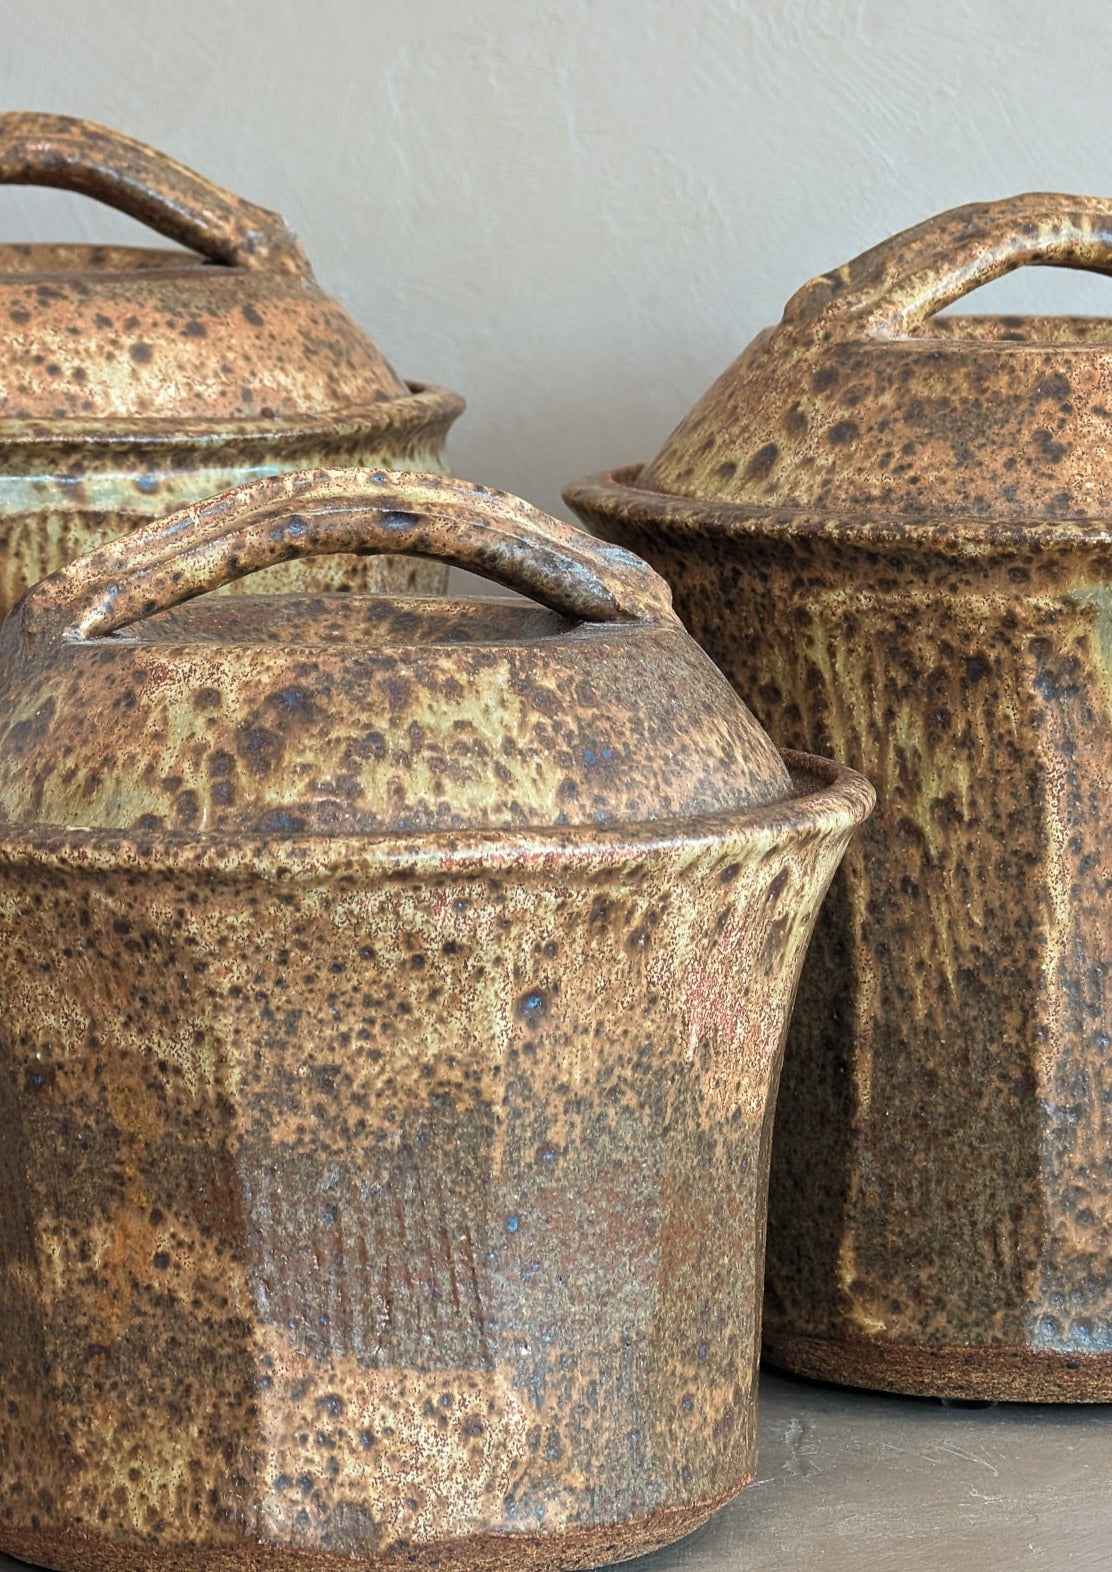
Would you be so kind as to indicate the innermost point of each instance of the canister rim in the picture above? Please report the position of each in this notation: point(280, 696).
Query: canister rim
point(615, 492)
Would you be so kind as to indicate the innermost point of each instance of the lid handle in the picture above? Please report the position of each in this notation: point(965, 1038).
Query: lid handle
point(78, 155)
point(319, 512)
point(893, 288)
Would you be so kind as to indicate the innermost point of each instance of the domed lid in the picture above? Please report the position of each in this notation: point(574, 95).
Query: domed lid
point(127, 704)
point(234, 332)
point(863, 398)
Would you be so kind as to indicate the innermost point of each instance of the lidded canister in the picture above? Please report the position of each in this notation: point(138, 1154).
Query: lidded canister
point(134, 380)
point(393, 1001)
point(893, 531)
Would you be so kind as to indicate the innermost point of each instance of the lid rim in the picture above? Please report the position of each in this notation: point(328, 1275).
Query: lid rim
point(170, 257)
point(827, 798)
point(923, 338)
point(426, 405)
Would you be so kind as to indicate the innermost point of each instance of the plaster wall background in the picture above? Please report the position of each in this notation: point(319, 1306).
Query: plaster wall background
point(575, 212)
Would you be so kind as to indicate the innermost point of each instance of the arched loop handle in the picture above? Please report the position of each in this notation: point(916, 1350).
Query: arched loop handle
point(895, 287)
point(320, 512)
point(77, 155)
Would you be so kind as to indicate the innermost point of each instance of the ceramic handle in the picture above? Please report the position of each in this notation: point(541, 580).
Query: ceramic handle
point(896, 286)
point(77, 155)
point(319, 512)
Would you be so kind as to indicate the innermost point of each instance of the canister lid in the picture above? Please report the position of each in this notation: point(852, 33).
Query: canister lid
point(127, 703)
point(233, 332)
point(863, 398)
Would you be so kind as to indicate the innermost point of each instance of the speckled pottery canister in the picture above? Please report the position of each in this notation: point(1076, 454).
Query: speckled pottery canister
point(134, 380)
point(893, 532)
point(393, 999)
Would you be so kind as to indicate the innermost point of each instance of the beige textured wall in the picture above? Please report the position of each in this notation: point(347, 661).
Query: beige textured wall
point(576, 211)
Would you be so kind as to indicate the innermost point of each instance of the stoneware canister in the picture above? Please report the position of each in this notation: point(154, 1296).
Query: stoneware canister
point(893, 530)
point(392, 1004)
point(134, 380)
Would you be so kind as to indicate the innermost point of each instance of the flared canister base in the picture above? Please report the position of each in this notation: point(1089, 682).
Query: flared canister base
point(576, 1548)
point(1004, 1374)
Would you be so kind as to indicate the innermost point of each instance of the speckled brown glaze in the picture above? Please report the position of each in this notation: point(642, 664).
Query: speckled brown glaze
point(133, 381)
point(861, 398)
point(935, 608)
point(398, 1193)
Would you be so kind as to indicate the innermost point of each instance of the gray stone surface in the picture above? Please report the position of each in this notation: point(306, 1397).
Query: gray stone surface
point(868, 1482)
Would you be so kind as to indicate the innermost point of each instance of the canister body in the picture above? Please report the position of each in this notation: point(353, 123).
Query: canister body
point(62, 497)
point(403, 1203)
point(941, 1199)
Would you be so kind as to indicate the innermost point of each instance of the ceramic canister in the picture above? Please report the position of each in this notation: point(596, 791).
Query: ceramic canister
point(134, 380)
point(392, 1005)
point(892, 531)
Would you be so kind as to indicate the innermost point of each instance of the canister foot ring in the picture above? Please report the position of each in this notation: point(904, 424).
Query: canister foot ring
point(1005, 1374)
